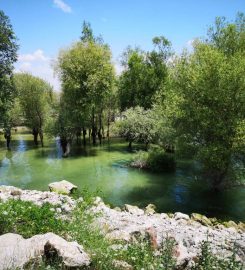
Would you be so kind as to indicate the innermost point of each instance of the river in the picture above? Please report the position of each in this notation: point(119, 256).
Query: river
point(103, 168)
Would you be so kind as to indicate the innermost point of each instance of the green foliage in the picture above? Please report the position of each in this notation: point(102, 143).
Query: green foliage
point(209, 261)
point(137, 125)
point(168, 261)
point(156, 159)
point(144, 74)
point(207, 90)
point(28, 219)
point(8, 46)
point(35, 97)
point(160, 161)
point(87, 76)
point(8, 56)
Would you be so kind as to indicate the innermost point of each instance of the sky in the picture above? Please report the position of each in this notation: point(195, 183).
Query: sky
point(43, 27)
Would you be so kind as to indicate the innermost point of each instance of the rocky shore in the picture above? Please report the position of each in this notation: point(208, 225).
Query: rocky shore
point(126, 224)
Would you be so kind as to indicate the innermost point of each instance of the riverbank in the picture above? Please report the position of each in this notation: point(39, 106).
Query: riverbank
point(124, 238)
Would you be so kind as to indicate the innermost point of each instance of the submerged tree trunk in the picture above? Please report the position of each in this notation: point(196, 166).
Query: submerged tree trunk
point(108, 124)
point(217, 180)
point(65, 145)
point(89, 135)
point(100, 128)
point(7, 136)
point(41, 136)
point(84, 136)
point(78, 135)
point(94, 131)
point(130, 145)
point(35, 135)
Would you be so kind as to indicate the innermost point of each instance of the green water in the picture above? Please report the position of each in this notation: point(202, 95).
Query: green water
point(103, 168)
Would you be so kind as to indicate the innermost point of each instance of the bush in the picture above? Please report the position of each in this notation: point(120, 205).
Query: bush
point(157, 160)
point(208, 261)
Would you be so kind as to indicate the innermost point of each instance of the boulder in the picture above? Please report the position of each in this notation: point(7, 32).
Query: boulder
point(63, 187)
point(134, 210)
point(150, 209)
point(201, 219)
point(230, 224)
point(17, 252)
point(179, 215)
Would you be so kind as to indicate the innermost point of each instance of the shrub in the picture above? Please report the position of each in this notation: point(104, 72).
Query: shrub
point(157, 160)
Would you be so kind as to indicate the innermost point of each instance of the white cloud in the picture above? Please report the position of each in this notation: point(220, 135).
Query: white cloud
point(38, 55)
point(63, 6)
point(38, 64)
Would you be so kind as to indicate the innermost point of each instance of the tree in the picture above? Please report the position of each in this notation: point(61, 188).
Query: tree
point(228, 37)
point(35, 97)
point(87, 76)
point(137, 125)
point(8, 55)
point(209, 88)
point(144, 74)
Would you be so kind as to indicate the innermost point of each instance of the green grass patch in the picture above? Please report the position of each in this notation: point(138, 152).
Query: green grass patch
point(28, 219)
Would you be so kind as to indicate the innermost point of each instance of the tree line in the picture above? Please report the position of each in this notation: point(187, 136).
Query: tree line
point(191, 103)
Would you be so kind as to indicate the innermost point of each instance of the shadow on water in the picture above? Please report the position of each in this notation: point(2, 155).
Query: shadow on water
point(170, 194)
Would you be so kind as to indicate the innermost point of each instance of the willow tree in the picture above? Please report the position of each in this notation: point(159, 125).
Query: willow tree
point(87, 76)
point(208, 89)
point(35, 97)
point(8, 56)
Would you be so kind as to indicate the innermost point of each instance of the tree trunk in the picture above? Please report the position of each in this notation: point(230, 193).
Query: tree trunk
point(130, 145)
point(7, 136)
point(65, 146)
point(89, 135)
point(78, 135)
point(108, 125)
point(84, 136)
point(100, 128)
point(41, 136)
point(94, 131)
point(35, 135)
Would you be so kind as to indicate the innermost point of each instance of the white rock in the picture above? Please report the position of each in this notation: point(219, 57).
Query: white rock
point(16, 252)
point(135, 210)
point(63, 187)
point(179, 215)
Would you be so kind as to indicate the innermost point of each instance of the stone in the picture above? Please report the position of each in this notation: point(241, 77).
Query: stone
point(230, 224)
point(135, 210)
point(179, 215)
point(201, 219)
point(17, 252)
point(150, 209)
point(62, 187)
point(16, 192)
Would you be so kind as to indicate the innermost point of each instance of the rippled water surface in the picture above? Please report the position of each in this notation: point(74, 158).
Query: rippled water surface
point(103, 168)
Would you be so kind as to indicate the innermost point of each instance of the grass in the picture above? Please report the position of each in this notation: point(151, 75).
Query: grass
point(27, 219)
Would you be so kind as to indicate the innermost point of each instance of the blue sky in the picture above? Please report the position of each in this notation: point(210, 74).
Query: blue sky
point(43, 27)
